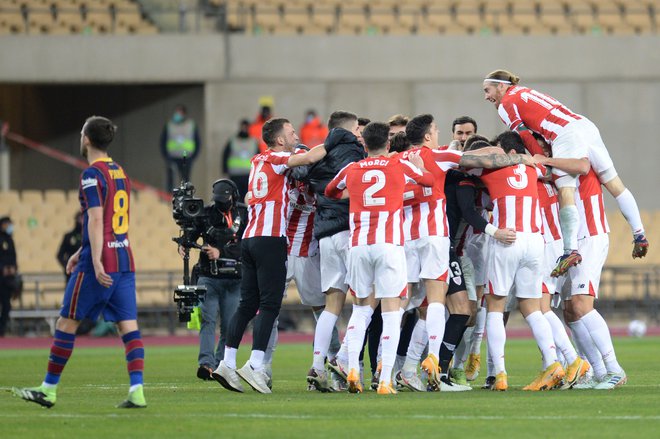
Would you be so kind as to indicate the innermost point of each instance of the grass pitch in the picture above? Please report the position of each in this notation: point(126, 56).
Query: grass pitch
point(180, 405)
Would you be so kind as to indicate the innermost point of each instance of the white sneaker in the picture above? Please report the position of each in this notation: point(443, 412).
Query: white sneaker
point(446, 385)
point(227, 377)
point(586, 383)
point(410, 380)
point(612, 380)
point(257, 379)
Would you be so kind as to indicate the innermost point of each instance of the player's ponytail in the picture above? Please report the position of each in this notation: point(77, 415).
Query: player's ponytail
point(502, 76)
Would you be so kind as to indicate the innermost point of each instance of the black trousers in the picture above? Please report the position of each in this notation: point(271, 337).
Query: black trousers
point(262, 289)
point(183, 171)
point(5, 306)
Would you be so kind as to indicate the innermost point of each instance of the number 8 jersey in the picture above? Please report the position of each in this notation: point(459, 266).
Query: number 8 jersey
point(104, 184)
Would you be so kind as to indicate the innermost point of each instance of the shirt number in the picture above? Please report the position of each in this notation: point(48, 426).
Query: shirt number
point(120, 215)
point(367, 177)
point(520, 180)
point(259, 182)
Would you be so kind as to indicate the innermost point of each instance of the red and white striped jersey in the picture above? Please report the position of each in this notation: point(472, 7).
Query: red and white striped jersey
point(549, 204)
point(375, 187)
point(424, 207)
point(539, 112)
point(300, 228)
point(589, 202)
point(515, 197)
point(268, 193)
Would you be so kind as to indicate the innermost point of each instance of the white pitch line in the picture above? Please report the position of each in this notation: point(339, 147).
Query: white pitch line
point(318, 417)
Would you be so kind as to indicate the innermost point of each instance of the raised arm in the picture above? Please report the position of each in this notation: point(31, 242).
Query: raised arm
point(570, 166)
point(493, 161)
point(310, 157)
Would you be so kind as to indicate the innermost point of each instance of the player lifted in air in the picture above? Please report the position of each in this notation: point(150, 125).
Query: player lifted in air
point(102, 270)
point(571, 136)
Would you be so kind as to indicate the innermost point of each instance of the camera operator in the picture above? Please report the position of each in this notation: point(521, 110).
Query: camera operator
point(219, 271)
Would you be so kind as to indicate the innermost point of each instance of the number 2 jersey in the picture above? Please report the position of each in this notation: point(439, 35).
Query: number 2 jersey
point(104, 184)
point(375, 187)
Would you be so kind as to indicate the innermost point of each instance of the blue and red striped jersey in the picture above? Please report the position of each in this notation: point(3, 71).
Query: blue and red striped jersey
point(104, 184)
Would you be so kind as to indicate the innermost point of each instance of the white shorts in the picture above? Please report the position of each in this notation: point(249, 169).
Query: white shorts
point(476, 248)
point(334, 254)
point(306, 273)
point(519, 264)
point(427, 258)
point(551, 252)
point(468, 275)
point(416, 294)
point(379, 267)
point(579, 139)
point(585, 277)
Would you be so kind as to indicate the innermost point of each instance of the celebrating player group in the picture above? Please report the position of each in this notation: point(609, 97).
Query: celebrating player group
point(435, 245)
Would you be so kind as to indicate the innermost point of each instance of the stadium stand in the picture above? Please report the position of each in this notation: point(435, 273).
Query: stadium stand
point(439, 17)
point(60, 17)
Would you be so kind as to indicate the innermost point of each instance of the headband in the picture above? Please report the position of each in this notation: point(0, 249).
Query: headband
point(501, 81)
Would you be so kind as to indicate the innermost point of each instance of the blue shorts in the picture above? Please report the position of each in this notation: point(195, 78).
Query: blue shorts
point(85, 297)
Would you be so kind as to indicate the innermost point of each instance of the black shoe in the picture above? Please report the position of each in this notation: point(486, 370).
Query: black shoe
point(204, 373)
point(488, 385)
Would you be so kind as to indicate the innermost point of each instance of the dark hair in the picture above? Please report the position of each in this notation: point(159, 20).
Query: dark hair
point(399, 142)
point(509, 140)
point(503, 75)
point(472, 139)
point(461, 120)
point(418, 127)
point(340, 119)
point(398, 120)
point(100, 131)
point(271, 129)
point(376, 135)
point(363, 121)
point(478, 144)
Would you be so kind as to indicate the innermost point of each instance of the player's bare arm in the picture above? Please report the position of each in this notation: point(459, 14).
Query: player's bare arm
point(95, 230)
point(73, 261)
point(570, 166)
point(310, 157)
point(493, 161)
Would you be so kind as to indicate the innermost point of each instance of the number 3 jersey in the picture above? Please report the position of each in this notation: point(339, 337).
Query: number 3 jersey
point(104, 184)
point(375, 187)
point(515, 196)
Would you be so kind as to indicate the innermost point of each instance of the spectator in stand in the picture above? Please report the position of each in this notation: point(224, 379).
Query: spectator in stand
point(179, 144)
point(266, 112)
point(70, 243)
point(8, 272)
point(237, 156)
point(313, 132)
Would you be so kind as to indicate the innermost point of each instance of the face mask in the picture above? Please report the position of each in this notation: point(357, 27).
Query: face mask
point(10, 229)
point(177, 117)
point(310, 118)
point(223, 206)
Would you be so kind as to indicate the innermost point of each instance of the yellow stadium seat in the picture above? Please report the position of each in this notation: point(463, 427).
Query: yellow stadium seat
point(32, 197)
